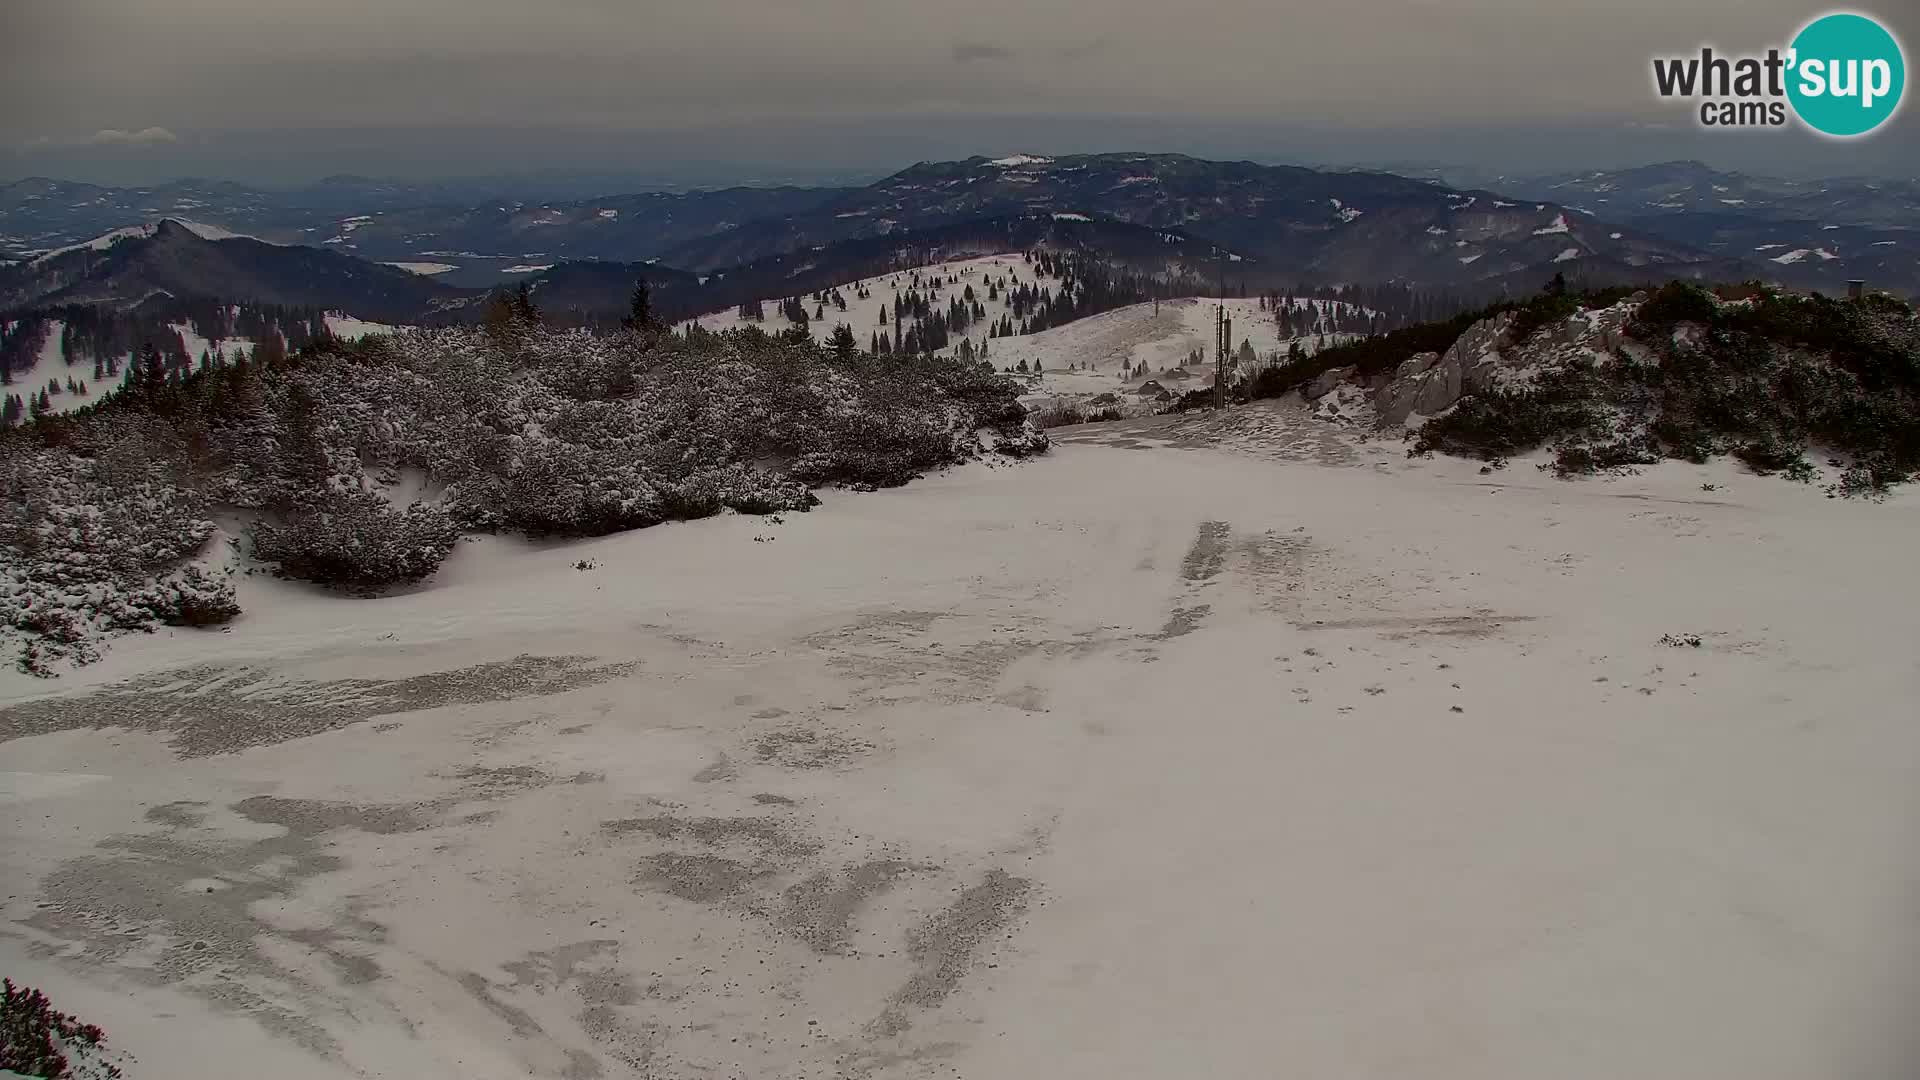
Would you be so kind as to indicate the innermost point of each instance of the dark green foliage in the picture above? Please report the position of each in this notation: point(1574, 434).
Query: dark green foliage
point(1501, 423)
point(1762, 379)
point(1619, 454)
point(1066, 413)
point(1871, 475)
point(355, 541)
point(1379, 354)
point(1370, 355)
point(1677, 302)
point(197, 599)
point(843, 343)
point(35, 1038)
point(640, 308)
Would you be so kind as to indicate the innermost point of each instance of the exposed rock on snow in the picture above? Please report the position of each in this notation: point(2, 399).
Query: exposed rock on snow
point(1415, 364)
point(1344, 403)
point(1430, 383)
point(1323, 384)
point(1477, 352)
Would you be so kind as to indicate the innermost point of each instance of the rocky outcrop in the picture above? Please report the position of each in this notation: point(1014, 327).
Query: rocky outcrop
point(1429, 383)
point(1417, 364)
point(1323, 384)
point(1477, 353)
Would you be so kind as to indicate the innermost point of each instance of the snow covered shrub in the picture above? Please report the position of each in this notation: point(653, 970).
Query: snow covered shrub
point(1501, 421)
point(193, 597)
point(1767, 456)
point(38, 1040)
point(1871, 476)
point(1616, 456)
point(356, 541)
point(1762, 378)
point(1059, 414)
point(550, 432)
point(82, 539)
point(557, 488)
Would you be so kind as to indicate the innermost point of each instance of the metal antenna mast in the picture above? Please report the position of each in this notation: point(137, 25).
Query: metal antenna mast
point(1220, 332)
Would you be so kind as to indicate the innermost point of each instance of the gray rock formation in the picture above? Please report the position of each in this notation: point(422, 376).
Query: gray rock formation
point(1428, 383)
point(1322, 384)
point(1415, 365)
point(1477, 352)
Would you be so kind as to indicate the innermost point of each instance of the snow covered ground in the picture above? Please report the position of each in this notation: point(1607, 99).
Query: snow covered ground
point(425, 269)
point(1205, 743)
point(348, 327)
point(50, 367)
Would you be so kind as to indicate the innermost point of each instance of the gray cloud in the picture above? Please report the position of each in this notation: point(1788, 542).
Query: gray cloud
point(1082, 50)
point(148, 136)
point(374, 74)
point(968, 52)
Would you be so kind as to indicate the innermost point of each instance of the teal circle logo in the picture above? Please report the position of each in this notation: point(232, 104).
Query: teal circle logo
point(1847, 75)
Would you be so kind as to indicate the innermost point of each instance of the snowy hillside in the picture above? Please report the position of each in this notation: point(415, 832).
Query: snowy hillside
point(1158, 335)
point(143, 232)
point(83, 379)
point(988, 277)
point(67, 386)
point(1127, 358)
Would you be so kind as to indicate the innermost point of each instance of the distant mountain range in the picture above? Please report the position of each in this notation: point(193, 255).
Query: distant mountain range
point(1811, 234)
point(1257, 226)
point(467, 243)
point(179, 259)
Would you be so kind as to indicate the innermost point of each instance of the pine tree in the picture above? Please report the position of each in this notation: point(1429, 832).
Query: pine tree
point(639, 308)
point(499, 316)
point(525, 313)
point(151, 373)
point(843, 343)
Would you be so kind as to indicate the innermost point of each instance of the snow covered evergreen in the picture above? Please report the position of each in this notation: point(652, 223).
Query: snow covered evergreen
point(511, 427)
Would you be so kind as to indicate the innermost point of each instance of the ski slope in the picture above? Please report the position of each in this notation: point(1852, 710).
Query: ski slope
point(50, 367)
point(863, 315)
point(1159, 335)
point(1086, 357)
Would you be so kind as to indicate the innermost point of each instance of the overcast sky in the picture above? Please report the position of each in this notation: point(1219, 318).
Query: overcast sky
point(270, 89)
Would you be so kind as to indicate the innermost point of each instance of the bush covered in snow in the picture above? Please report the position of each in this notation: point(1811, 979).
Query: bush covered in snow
point(39, 1040)
point(355, 540)
point(512, 427)
point(93, 534)
point(1766, 378)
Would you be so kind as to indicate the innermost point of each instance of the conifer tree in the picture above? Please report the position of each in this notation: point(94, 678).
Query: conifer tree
point(843, 342)
point(640, 308)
